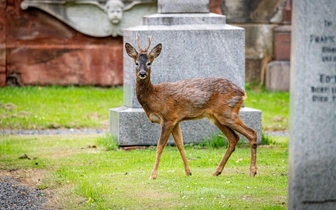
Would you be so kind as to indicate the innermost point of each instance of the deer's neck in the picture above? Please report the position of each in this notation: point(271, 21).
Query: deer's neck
point(144, 89)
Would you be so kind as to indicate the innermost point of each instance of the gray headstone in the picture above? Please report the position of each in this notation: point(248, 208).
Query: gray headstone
point(277, 76)
point(193, 45)
point(183, 6)
point(312, 149)
point(188, 52)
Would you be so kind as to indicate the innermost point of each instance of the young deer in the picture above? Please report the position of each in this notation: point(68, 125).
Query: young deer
point(170, 103)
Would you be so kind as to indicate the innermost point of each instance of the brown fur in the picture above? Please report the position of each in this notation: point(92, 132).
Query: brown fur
point(170, 103)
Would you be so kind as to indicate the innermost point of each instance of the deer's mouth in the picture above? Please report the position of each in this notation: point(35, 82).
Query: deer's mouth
point(142, 74)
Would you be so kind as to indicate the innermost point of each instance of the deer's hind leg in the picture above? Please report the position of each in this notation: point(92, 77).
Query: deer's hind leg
point(236, 124)
point(233, 139)
point(177, 134)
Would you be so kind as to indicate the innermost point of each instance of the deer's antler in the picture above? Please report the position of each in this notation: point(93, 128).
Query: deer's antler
point(143, 51)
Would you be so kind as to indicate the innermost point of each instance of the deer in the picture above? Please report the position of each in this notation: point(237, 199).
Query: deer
point(169, 103)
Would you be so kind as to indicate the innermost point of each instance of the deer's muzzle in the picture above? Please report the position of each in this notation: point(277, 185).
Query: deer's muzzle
point(142, 74)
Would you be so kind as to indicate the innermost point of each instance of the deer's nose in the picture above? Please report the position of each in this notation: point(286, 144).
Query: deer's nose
point(142, 74)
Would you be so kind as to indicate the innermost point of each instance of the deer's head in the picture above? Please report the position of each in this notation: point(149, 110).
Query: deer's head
point(143, 60)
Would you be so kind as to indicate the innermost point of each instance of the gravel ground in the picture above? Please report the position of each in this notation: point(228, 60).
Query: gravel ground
point(14, 195)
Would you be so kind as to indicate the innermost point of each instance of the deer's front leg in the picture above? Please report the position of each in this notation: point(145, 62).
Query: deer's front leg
point(166, 129)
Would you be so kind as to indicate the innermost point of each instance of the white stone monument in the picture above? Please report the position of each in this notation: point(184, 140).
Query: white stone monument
point(312, 147)
point(195, 43)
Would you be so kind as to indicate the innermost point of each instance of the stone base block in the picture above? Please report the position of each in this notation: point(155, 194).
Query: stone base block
point(184, 19)
point(131, 127)
point(277, 76)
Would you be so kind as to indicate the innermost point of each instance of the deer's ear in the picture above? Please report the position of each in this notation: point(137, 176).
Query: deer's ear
point(155, 52)
point(131, 52)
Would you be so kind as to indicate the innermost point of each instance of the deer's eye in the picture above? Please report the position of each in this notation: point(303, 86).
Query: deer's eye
point(136, 63)
point(148, 64)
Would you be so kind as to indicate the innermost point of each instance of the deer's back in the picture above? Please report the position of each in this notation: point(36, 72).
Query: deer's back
point(201, 93)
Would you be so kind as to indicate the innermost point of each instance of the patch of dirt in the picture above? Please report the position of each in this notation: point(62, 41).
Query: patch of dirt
point(27, 177)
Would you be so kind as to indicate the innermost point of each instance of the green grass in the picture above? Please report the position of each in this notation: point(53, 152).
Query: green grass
point(89, 172)
point(56, 107)
point(78, 107)
point(274, 107)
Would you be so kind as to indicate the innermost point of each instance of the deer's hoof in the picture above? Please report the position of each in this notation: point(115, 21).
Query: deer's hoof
point(217, 173)
point(153, 176)
point(253, 173)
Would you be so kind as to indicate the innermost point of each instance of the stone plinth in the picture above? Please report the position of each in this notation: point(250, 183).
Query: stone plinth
point(312, 145)
point(133, 128)
point(184, 19)
point(277, 76)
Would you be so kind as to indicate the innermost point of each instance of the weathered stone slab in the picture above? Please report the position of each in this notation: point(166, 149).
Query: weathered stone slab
point(282, 42)
point(253, 70)
point(312, 148)
point(131, 127)
point(257, 11)
point(188, 51)
point(65, 65)
point(277, 76)
point(42, 50)
point(183, 6)
point(2, 43)
point(259, 40)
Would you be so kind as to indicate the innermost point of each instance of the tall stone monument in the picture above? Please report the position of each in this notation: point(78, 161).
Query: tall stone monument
point(312, 147)
point(195, 43)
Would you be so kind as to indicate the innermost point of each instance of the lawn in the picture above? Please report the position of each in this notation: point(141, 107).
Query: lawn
point(89, 172)
point(57, 107)
point(82, 107)
point(274, 107)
